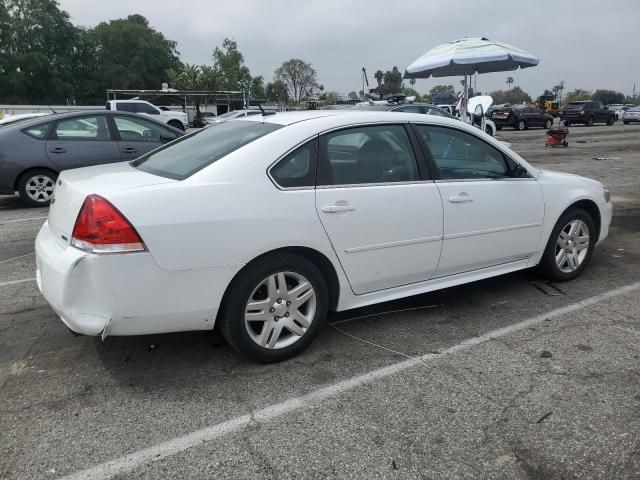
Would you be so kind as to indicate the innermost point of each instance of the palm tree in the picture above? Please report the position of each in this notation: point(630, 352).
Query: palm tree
point(509, 81)
point(379, 76)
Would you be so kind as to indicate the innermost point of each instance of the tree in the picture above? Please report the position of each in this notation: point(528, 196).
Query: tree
point(608, 96)
point(37, 43)
point(442, 89)
point(298, 76)
point(277, 92)
point(509, 81)
point(514, 96)
point(353, 96)
point(129, 54)
point(578, 94)
point(379, 75)
point(228, 62)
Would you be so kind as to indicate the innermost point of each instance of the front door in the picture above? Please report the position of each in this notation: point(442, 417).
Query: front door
point(383, 218)
point(137, 136)
point(81, 142)
point(493, 209)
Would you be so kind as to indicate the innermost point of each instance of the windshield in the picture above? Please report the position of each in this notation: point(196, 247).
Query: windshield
point(232, 113)
point(576, 105)
point(184, 157)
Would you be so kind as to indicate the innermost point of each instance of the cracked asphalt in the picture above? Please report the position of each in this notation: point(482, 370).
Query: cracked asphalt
point(559, 399)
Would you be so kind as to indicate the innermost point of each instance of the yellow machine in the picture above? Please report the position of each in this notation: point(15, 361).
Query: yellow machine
point(547, 105)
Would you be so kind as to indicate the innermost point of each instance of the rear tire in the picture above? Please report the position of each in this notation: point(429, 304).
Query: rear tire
point(548, 124)
point(498, 127)
point(590, 122)
point(625, 122)
point(35, 187)
point(611, 121)
point(521, 125)
point(488, 130)
point(552, 265)
point(255, 298)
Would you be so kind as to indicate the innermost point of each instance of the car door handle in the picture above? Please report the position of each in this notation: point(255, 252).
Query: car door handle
point(58, 150)
point(129, 150)
point(338, 208)
point(461, 198)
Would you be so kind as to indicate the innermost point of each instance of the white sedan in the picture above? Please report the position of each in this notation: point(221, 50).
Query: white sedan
point(264, 224)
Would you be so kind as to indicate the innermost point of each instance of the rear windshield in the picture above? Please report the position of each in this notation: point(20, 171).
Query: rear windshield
point(184, 157)
point(576, 105)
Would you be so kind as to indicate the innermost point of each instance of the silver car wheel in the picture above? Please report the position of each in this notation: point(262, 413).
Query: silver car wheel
point(280, 310)
point(572, 246)
point(39, 188)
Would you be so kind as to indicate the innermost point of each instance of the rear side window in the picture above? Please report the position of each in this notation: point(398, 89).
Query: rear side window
point(366, 155)
point(184, 157)
point(298, 169)
point(83, 128)
point(146, 108)
point(38, 131)
point(126, 107)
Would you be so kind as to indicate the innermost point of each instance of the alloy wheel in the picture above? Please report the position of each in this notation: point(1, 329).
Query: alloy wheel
point(280, 310)
point(572, 246)
point(39, 188)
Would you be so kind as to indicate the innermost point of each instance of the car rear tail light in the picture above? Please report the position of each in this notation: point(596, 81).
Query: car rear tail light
point(101, 228)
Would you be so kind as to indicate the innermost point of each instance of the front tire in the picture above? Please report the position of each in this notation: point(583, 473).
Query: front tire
point(521, 125)
point(590, 122)
point(569, 247)
point(548, 124)
point(35, 187)
point(275, 308)
point(176, 124)
point(610, 121)
point(488, 130)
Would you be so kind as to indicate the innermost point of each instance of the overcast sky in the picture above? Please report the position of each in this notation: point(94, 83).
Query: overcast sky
point(588, 43)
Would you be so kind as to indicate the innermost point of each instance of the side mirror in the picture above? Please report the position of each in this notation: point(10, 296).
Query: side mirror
point(167, 137)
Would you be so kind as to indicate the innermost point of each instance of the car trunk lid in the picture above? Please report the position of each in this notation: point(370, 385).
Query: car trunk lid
point(73, 186)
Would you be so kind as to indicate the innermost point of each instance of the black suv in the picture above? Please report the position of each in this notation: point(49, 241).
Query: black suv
point(521, 118)
point(587, 112)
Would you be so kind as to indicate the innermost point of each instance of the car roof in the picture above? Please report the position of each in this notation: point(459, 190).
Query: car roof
point(338, 118)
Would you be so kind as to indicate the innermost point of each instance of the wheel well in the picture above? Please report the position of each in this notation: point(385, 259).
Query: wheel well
point(174, 121)
point(592, 209)
point(318, 259)
point(31, 169)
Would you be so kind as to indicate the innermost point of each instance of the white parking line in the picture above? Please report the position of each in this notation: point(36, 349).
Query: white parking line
point(22, 220)
point(16, 258)
point(16, 282)
point(162, 450)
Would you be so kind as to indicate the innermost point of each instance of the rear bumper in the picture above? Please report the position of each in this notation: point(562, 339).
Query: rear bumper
point(125, 294)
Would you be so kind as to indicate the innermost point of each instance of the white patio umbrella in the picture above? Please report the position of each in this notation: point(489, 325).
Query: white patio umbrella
point(468, 56)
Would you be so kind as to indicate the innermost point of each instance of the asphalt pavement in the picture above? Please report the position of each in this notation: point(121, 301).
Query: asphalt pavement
point(511, 377)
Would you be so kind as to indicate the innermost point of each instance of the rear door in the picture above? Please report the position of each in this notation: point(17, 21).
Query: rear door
point(382, 213)
point(137, 136)
point(81, 141)
point(493, 211)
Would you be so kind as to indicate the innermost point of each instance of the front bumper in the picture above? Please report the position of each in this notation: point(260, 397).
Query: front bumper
point(125, 294)
point(606, 214)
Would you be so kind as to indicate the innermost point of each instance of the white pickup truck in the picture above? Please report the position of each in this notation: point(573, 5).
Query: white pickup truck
point(170, 117)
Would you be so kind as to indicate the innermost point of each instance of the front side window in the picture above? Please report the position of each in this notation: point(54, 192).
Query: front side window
point(137, 129)
point(83, 128)
point(184, 157)
point(372, 154)
point(437, 111)
point(298, 169)
point(459, 155)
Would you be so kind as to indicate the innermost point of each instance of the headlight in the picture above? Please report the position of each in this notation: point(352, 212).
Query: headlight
point(607, 192)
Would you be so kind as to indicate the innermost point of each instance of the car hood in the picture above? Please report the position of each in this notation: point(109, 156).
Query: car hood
point(550, 176)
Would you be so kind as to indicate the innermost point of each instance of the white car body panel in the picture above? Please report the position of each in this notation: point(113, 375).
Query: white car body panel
point(163, 116)
point(201, 231)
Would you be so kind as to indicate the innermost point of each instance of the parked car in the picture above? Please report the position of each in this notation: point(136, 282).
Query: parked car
point(170, 117)
point(587, 112)
point(11, 119)
point(631, 115)
point(423, 108)
point(33, 152)
point(234, 114)
point(521, 118)
point(618, 109)
point(263, 224)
